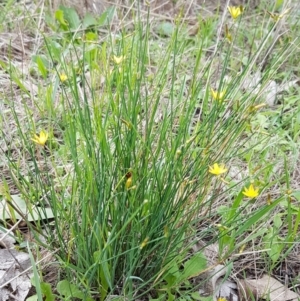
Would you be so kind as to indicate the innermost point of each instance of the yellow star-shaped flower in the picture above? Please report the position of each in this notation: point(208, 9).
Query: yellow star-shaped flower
point(216, 95)
point(235, 11)
point(118, 59)
point(63, 77)
point(251, 192)
point(41, 139)
point(128, 183)
point(217, 169)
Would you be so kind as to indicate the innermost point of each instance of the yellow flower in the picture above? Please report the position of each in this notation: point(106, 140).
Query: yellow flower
point(128, 183)
point(144, 243)
point(235, 11)
point(251, 192)
point(221, 299)
point(217, 169)
point(228, 34)
point(118, 59)
point(217, 95)
point(41, 139)
point(63, 77)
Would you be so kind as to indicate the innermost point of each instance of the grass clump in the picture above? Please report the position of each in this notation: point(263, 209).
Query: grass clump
point(138, 160)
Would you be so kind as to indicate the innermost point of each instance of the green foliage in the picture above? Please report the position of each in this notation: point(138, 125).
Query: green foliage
point(46, 292)
point(69, 291)
point(177, 277)
point(68, 18)
point(42, 64)
point(273, 242)
point(124, 180)
point(66, 291)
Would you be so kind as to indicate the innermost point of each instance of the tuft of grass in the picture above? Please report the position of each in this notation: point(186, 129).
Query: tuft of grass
point(134, 126)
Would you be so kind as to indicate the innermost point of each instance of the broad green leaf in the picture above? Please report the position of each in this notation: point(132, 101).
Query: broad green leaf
point(91, 36)
point(59, 16)
point(196, 296)
point(55, 49)
point(273, 243)
point(172, 275)
point(171, 297)
point(165, 29)
point(277, 221)
point(194, 266)
point(296, 194)
point(235, 206)
point(103, 273)
point(71, 16)
point(47, 291)
point(89, 20)
point(161, 298)
point(106, 17)
point(225, 240)
point(69, 290)
point(32, 298)
point(42, 65)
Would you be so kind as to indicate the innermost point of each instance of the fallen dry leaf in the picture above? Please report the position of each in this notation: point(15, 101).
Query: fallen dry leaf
point(227, 289)
point(265, 288)
point(14, 283)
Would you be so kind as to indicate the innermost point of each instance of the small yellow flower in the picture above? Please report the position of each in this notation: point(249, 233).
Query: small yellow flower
point(216, 95)
point(228, 34)
point(41, 139)
point(118, 59)
point(217, 169)
point(63, 77)
point(128, 183)
point(250, 192)
point(235, 11)
point(144, 243)
point(221, 299)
